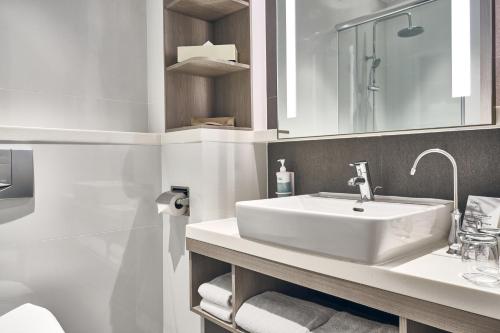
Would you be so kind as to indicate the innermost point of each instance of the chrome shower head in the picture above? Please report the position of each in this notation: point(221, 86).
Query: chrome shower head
point(410, 32)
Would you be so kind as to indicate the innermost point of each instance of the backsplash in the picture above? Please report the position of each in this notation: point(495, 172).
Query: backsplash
point(323, 165)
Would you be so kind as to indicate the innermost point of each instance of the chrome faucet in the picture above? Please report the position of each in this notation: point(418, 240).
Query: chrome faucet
point(363, 180)
point(456, 227)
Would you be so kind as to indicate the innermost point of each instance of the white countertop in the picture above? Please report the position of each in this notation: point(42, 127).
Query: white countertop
point(432, 276)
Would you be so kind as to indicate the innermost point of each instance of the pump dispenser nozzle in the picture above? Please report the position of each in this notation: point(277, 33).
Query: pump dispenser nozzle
point(283, 168)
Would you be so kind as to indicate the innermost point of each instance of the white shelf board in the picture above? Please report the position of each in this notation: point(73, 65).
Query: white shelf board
point(218, 135)
point(52, 135)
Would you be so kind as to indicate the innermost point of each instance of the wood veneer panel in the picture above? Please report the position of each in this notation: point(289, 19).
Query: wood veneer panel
point(233, 92)
point(207, 67)
point(428, 313)
point(235, 29)
point(247, 283)
point(186, 96)
point(233, 98)
point(210, 10)
point(181, 30)
point(203, 269)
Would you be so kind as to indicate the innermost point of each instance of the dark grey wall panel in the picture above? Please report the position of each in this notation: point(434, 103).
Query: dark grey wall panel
point(322, 165)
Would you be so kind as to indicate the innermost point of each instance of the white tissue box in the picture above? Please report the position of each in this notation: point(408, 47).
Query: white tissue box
point(221, 52)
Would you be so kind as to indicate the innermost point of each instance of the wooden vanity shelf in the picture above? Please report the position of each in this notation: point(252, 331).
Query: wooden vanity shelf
point(210, 10)
point(207, 67)
point(253, 275)
point(204, 87)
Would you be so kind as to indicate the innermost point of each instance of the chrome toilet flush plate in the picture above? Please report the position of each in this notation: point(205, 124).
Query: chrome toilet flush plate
point(16, 173)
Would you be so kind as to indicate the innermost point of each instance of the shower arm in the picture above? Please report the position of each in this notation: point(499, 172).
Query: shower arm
point(386, 18)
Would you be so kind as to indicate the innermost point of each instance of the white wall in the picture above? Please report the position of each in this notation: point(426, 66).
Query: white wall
point(74, 64)
point(156, 63)
point(89, 245)
point(218, 175)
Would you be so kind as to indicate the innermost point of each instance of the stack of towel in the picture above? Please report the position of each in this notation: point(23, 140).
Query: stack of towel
point(346, 322)
point(272, 312)
point(217, 297)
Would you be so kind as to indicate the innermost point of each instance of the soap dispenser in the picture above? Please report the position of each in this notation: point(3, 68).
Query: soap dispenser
point(285, 181)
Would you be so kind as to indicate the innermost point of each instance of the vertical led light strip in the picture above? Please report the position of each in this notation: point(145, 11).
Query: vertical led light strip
point(291, 60)
point(460, 45)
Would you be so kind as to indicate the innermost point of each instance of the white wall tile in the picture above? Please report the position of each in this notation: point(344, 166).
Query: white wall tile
point(83, 190)
point(156, 63)
point(89, 245)
point(80, 57)
point(108, 282)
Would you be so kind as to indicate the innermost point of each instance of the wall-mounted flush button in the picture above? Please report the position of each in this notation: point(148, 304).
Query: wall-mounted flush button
point(16, 174)
point(5, 169)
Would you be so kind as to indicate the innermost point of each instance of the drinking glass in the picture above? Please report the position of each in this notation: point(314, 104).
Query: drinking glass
point(480, 254)
point(495, 232)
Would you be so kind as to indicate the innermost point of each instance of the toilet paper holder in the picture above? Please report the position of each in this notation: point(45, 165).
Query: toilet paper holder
point(181, 203)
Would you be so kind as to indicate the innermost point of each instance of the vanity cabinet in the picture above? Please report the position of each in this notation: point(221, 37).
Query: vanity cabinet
point(253, 275)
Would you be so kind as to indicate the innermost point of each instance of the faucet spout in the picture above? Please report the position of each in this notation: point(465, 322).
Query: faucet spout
point(453, 163)
point(456, 216)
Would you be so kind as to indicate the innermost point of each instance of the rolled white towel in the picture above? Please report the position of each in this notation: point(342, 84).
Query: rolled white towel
point(218, 291)
point(29, 318)
point(272, 312)
point(223, 313)
point(343, 322)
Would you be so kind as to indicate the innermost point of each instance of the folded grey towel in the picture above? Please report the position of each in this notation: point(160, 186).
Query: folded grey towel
point(272, 312)
point(219, 291)
point(343, 322)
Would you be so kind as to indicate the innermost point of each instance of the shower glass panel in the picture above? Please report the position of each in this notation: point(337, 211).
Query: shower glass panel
point(307, 62)
point(395, 72)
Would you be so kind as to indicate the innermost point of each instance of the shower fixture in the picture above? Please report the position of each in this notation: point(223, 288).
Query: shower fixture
point(407, 32)
point(411, 31)
point(374, 61)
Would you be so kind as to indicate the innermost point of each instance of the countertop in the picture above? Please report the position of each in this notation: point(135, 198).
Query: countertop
point(432, 275)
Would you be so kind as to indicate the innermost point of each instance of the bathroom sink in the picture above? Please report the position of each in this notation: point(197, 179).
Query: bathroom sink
point(338, 225)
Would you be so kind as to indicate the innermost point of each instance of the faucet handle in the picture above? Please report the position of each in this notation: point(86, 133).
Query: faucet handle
point(377, 188)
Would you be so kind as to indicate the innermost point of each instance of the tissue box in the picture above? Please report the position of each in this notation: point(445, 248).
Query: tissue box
point(221, 52)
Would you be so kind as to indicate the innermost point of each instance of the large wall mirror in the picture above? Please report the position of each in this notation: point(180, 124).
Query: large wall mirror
point(361, 66)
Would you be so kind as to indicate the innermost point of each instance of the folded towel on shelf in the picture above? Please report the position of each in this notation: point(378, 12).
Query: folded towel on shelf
point(221, 312)
point(218, 291)
point(343, 322)
point(272, 312)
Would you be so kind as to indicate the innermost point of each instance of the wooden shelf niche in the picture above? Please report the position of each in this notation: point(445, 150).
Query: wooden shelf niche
point(208, 10)
point(207, 67)
point(203, 87)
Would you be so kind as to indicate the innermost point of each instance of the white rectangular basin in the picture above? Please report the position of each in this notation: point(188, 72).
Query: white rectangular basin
point(377, 231)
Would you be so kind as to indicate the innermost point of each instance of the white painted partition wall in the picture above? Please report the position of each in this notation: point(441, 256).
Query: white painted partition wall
point(218, 174)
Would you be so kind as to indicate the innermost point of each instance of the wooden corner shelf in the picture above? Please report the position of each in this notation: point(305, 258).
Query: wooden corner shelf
point(207, 10)
point(207, 67)
point(184, 128)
